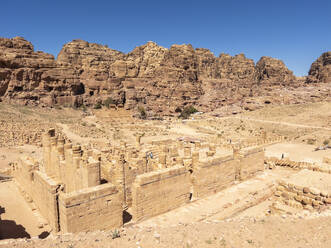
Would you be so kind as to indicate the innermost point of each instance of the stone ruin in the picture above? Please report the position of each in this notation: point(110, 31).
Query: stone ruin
point(308, 189)
point(82, 189)
point(67, 187)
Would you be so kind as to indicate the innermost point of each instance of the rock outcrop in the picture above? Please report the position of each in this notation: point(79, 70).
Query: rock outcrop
point(33, 77)
point(273, 71)
point(152, 76)
point(320, 70)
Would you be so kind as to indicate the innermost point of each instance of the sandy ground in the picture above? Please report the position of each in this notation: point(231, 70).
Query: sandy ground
point(297, 152)
point(17, 218)
point(271, 232)
point(9, 155)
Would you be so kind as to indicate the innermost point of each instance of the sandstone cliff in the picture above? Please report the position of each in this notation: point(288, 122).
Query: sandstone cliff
point(273, 71)
point(155, 77)
point(320, 70)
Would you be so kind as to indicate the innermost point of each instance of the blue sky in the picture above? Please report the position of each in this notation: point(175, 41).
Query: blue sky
point(296, 31)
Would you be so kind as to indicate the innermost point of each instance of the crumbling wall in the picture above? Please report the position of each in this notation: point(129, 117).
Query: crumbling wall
point(213, 176)
point(122, 173)
point(89, 209)
point(41, 189)
point(304, 196)
point(160, 191)
point(272, 162)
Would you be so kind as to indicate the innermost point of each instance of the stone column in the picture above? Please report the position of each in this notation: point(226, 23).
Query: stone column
point(187, 151)
point(197, 145)
point(59, 158)
point(46, 153)
point(174, 151)
point(195, 158)
point(138, 140)
point(91, 173)
point(163, 159)
point(69, 168)
point(76, 167)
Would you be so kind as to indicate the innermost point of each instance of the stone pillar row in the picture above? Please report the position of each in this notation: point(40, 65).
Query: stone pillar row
point(68, 164)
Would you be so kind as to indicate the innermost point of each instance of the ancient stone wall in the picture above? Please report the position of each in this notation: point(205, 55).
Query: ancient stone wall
point(94, 208)
point(45, 193)
point(160, 191)
point(213, 176)
point(41, 189)
point(251, 162)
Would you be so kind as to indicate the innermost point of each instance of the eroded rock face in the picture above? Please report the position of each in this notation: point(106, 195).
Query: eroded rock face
point(143, 61)
point(152, 76)
point(320, 70)
point(33, 77)
point(273, 71)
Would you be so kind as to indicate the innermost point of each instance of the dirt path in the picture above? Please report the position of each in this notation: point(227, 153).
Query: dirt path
point(281, 123)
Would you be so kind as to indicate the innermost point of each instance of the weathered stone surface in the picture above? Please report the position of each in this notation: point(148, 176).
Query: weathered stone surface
point(273, 71)
point(320, 70)
point(157, 78)
point(33, 77)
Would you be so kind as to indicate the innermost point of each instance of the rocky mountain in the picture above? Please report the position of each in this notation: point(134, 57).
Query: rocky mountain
point(273, 71)
point(157, 78)
point(320, 70)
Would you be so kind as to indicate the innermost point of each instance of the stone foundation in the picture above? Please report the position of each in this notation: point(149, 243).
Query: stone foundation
point(305, 189)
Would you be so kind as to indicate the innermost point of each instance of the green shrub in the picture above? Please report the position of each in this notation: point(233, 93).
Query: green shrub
point(116, 234)
point(108, 101)
point(187, 111)
point(97, 106)
point(84, 108)
point(326, 142)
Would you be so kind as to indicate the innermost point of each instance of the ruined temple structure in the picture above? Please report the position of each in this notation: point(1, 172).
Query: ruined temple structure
point(82, 189)
point(67, 187)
